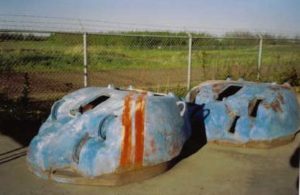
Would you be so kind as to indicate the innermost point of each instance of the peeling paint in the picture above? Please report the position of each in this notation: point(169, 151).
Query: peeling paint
point(126, 157)
point(98, 131)
point(266, 111)
point(139, 128)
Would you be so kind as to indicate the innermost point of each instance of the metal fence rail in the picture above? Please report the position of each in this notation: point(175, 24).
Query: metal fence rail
point(43, 66)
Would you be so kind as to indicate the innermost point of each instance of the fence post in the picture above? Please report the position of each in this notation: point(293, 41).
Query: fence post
point(189, 62)
point(259, 56)
point(85, 71)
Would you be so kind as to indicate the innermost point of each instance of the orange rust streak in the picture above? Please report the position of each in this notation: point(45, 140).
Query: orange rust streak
point(139, 130)
point(126, 122)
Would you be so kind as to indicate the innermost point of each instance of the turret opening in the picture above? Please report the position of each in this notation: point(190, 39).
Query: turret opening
point(253, 107)
point(229, 91)
point(233, 125)
point(93, 104)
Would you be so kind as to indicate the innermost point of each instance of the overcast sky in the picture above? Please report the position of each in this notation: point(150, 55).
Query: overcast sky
point(273, 16)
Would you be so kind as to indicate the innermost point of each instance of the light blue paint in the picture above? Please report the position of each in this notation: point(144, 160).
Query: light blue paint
point(90, 142)
point(271, 122)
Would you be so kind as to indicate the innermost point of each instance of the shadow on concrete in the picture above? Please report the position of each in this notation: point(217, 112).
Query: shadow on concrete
point(22, 131)
point(21, 123)
point(194, 120)
point(294, 162)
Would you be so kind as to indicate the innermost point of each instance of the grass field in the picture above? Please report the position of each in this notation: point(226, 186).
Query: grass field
point(54, 64)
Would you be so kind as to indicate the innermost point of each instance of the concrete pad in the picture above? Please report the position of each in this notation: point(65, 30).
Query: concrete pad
point(213, 169)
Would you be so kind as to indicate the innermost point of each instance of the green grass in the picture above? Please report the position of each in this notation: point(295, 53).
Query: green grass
point(55, 65)
point(64, 53)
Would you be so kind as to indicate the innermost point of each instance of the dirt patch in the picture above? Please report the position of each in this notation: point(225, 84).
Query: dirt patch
point(52, 83)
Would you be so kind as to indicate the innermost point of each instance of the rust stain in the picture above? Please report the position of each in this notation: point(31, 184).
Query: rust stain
point(275, 105)
point(274, 88)
point(230, 111)
point(174, 150)
point(280, 98)
point(125, 160)
point(217, 88)
point(139, 130)
point(193, 95)
point(267, 105)
point(286, 86)
point(228, 108)
point(152, 144)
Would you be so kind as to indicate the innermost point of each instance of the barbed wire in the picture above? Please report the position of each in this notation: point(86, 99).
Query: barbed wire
point(119, 26)
point(30, 29)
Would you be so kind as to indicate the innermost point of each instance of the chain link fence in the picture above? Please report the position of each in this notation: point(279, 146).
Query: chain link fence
point(38, 68)
point(147, 62)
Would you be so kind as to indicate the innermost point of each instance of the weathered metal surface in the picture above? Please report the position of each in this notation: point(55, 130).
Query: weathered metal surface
point(99, 131)
point(242, 112)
